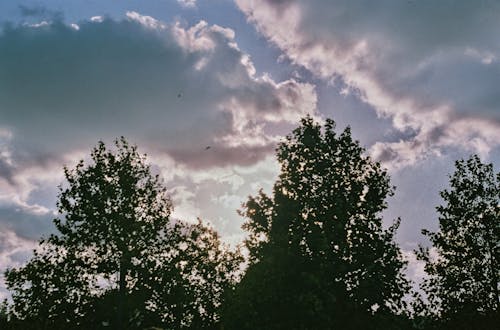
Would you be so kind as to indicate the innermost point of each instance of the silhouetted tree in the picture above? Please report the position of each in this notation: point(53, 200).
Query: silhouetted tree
point(319, 257)
point(4, 314)
point(118, 260)
point(463, 269)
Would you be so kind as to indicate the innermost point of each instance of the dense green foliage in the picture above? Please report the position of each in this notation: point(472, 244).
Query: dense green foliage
point(319, 256)
point(118, 259)
point(463, 283)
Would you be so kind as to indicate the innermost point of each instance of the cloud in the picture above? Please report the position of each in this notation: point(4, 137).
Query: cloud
point(34, 11)
point(14, 251)
point(214, 194)
point(187, 95)
point(187, 3)
point(27, 221)
point(173, 88)
point(431, 68)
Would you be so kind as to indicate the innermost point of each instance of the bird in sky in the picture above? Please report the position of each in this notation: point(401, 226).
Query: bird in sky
point(207, 147)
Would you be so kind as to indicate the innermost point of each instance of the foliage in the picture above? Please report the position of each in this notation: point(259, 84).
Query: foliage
point(319, 256)
point(4, 314)
point(463, 281)
point(118, 260)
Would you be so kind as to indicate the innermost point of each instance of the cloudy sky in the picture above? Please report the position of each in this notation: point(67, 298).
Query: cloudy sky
point(418, 82)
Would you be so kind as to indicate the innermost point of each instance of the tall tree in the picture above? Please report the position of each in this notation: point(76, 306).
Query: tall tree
point(319, 256)
point(118, 260)
point(463, 283)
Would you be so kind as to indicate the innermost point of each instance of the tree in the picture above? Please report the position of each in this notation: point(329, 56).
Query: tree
point(4, 315)
point(463, 281)
point(118, 260)
point(319, 257)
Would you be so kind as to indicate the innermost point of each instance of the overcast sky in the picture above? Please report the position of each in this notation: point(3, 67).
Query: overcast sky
point(418, 82)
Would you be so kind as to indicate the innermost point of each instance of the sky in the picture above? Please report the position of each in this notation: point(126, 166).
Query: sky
point(416, 80)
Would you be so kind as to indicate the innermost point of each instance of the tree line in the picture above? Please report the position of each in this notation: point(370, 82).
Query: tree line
point(316, 254)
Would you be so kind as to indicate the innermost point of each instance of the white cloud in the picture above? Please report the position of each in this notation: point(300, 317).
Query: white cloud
point(14, 251)
point(405, 59)
point(416, 268)
point(485, 57)
point(187, 3)
point(215, 194)
point(97, 19)
point(38, 25)
point(146, 21)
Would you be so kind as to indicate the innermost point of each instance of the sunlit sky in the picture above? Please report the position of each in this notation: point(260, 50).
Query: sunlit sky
point(418, 82)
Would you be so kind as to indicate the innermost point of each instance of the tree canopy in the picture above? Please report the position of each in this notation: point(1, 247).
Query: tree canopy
point(118, 259)
point(319, 255)
point(463, 269)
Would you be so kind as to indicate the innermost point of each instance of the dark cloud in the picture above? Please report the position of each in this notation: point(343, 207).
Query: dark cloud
point(203, 157)
point(6, 171)
point(39, 12)
point(27, 222)
point(385, 155)
point(173, 88)
point(29, 11)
